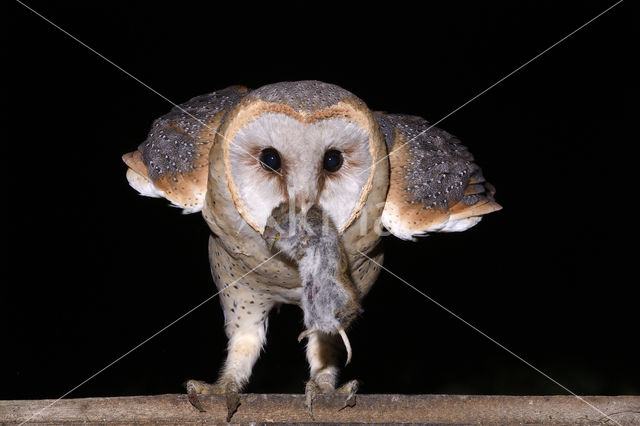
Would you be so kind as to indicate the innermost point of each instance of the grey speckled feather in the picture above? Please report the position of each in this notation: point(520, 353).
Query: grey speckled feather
point(302, 95)
point(387, 125)
point(171, 145)
point(439, 166)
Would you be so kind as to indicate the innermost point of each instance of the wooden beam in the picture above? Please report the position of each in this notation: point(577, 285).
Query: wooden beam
point(369, 408)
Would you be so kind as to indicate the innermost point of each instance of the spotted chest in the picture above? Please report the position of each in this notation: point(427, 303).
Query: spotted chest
point(247, 293)
point(248, 290)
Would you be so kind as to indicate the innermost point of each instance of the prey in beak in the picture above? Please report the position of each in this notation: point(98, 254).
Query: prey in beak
point(330, 299)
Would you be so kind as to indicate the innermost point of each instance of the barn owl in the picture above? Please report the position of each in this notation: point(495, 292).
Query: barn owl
point(297, 181)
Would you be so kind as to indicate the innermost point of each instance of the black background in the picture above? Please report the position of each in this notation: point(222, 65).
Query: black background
point(93, 269)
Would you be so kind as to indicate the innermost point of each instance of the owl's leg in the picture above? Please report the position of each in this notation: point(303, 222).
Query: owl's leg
point(324, 356)
point(245, 325)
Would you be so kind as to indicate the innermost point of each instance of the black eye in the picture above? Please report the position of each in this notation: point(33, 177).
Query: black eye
point(270, 160)
point(332, 160)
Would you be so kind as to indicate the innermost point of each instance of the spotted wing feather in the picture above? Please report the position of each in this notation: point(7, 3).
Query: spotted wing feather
point(173, 161)
point(434, 184)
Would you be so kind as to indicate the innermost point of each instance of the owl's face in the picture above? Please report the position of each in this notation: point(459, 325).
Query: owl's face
point(276, 158)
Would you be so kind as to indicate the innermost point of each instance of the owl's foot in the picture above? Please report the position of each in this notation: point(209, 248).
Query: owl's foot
point(317, 386)
point(222, 387)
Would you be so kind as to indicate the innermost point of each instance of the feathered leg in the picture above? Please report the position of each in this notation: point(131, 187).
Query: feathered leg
point(246, 320)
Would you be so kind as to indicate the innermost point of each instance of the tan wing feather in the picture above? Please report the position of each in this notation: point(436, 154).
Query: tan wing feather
point(434, 184)
point(173, 161)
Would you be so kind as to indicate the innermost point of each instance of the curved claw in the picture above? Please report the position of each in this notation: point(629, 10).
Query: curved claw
point(193, 399)
point(233, 402)
point(229, 390)
point(349, 389)
point(311, 390)
point(193, 388)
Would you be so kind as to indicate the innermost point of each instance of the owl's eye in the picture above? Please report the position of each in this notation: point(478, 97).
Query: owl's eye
point(270, 160)
point(332, 160)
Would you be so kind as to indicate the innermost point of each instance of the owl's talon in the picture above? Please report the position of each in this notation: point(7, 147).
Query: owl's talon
point(313, 389)
point(350, 388)
point(233, 402)
point(229, 389)
point(193, 399)
point(194, 387)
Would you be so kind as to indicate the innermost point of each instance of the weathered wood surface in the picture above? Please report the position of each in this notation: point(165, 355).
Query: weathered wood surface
point(176, 409)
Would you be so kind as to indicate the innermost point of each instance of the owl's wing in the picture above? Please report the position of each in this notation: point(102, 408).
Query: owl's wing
point(434, 184)
point(173, 161)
